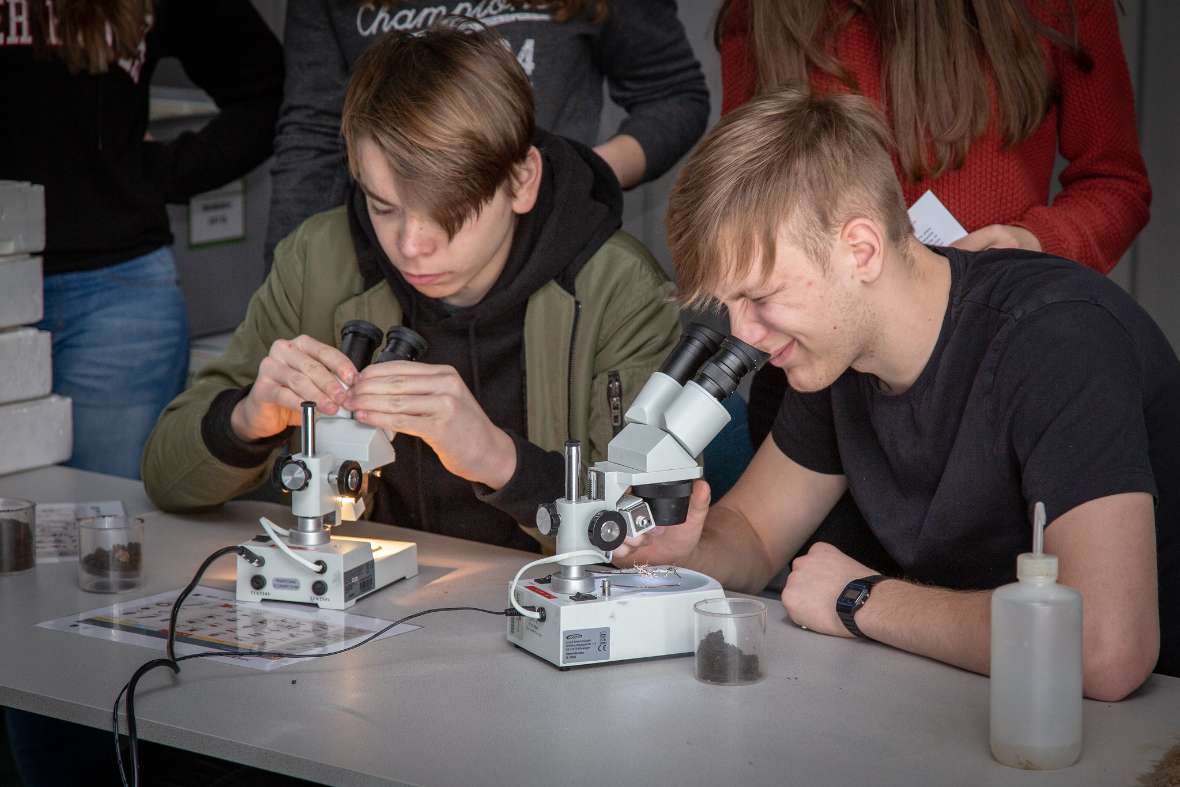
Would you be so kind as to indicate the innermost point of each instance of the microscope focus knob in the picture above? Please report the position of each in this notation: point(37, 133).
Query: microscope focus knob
point(350, 479)
point(608, 530)
point(294, 475)
point(548, 520)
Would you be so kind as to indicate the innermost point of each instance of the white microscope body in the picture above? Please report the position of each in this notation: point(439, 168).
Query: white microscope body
point(589, 614)
point(327, 480)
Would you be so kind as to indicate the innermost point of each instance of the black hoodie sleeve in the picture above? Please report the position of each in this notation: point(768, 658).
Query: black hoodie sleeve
point(653, 74)
point(227, 50)
point(539, 476)
point(221, 440)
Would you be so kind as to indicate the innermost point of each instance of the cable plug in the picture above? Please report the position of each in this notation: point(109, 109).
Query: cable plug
point(513, 613)
point(251, 557)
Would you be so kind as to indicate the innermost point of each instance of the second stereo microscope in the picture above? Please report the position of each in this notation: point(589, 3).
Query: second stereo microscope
point(588, 613)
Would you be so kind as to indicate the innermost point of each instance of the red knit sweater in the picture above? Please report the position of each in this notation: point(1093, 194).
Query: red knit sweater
point(1105, 195)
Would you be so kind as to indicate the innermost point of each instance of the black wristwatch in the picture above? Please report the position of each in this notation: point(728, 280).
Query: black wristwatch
point(853, 597)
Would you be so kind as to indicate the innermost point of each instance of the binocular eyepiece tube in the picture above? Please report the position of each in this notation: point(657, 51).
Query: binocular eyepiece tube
point(697, 343)
point(359, 338)
point(722, 373)
point(716, 363)
point(691, 410)
point(402, 344)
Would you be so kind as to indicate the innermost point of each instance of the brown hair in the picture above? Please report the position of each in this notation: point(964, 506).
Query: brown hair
point(89, 35)
point(452, 111)
point(938, 58)
point(563, 10)
point(811, 162)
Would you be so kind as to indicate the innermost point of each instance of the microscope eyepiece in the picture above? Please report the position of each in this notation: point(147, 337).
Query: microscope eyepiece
point(696, 344)
point(358, 339)
point(402, 344)
point(721, 374)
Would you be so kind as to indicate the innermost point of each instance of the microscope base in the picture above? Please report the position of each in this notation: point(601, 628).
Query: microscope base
point(641, 618)
point(356, 568)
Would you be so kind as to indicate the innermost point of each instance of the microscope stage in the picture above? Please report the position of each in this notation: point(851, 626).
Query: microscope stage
point(641, 617)
point(356, 568)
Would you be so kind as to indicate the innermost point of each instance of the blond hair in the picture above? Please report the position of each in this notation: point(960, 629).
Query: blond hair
point(786, 157)
point(452, 111)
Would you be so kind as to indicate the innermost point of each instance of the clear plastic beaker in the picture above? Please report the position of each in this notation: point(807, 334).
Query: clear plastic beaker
point(18, 535)
point(731, 638)
point(110, 553)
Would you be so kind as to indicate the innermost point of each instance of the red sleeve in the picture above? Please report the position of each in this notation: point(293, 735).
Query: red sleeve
point(737, 64)
point(1105, 195)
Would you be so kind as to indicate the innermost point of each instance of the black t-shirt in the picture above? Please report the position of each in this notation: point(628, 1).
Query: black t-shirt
point(1047, 383)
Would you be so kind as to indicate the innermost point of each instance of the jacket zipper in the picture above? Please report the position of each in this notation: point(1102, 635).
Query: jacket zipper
point(569, 387)
point(614, 400)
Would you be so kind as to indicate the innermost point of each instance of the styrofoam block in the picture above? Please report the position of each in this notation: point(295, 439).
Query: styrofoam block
point(22, 217)
point(36, 433)
point(21, 291)
point(26, 364)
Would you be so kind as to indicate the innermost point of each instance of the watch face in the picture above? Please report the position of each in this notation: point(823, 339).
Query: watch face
point(850, 595)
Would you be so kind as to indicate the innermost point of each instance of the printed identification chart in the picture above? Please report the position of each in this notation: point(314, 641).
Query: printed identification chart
point(212, 619)
point(57, 527)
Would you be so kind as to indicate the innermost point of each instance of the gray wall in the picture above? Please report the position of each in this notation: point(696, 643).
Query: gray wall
point(1154, 276)
point(219, 280)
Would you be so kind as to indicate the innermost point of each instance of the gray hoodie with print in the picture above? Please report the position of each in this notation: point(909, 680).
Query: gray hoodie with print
point(640, 51)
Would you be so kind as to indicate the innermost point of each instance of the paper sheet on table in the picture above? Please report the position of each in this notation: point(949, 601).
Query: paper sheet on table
point(933, 223)
point(212, 620)
point(57, 527)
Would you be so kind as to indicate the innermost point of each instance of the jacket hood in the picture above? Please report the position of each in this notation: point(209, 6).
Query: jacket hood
point(579, 206)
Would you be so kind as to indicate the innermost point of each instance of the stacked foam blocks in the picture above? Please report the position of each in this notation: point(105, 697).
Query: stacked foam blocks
point(36, 427)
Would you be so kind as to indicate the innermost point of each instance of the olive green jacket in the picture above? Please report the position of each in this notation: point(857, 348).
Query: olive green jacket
point(620, 326)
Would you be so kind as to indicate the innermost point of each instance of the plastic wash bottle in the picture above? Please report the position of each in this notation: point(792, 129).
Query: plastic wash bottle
point(1036, 664)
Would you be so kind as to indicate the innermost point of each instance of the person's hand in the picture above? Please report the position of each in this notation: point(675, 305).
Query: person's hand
point(672, 544)
point(998, 236)
point(625, 156)
point(294, 371)
point(433, 403)
point(816, 579)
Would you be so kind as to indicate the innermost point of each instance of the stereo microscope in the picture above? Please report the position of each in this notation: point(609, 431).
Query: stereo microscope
point(589, 613)
point(327, 481)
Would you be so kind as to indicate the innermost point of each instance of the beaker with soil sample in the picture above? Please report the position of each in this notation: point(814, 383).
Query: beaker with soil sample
point(18, 535)
point(731, 639)
point(110, 553)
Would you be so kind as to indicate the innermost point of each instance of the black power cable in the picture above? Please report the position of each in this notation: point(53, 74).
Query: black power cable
point(172, 662)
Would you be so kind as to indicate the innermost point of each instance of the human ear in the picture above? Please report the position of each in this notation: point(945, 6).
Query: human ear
point(864, 243)
point(526, 182)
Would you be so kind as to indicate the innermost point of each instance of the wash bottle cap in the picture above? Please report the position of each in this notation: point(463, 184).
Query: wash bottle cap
point(1036, 564)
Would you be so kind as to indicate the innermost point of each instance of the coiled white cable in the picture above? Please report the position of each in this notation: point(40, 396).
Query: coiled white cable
point(274, 532)
point(551, 559)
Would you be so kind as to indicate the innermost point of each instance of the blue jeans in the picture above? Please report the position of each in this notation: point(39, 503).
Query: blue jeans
point(120, 351)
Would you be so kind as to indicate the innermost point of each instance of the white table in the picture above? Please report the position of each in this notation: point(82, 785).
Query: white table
point(455, 704)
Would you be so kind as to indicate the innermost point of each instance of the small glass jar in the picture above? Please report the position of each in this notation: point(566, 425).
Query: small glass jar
point(731, 640)
point(110, 553)
point(18, 535)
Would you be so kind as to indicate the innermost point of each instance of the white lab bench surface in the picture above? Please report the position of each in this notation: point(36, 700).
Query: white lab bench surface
point(455, 704)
